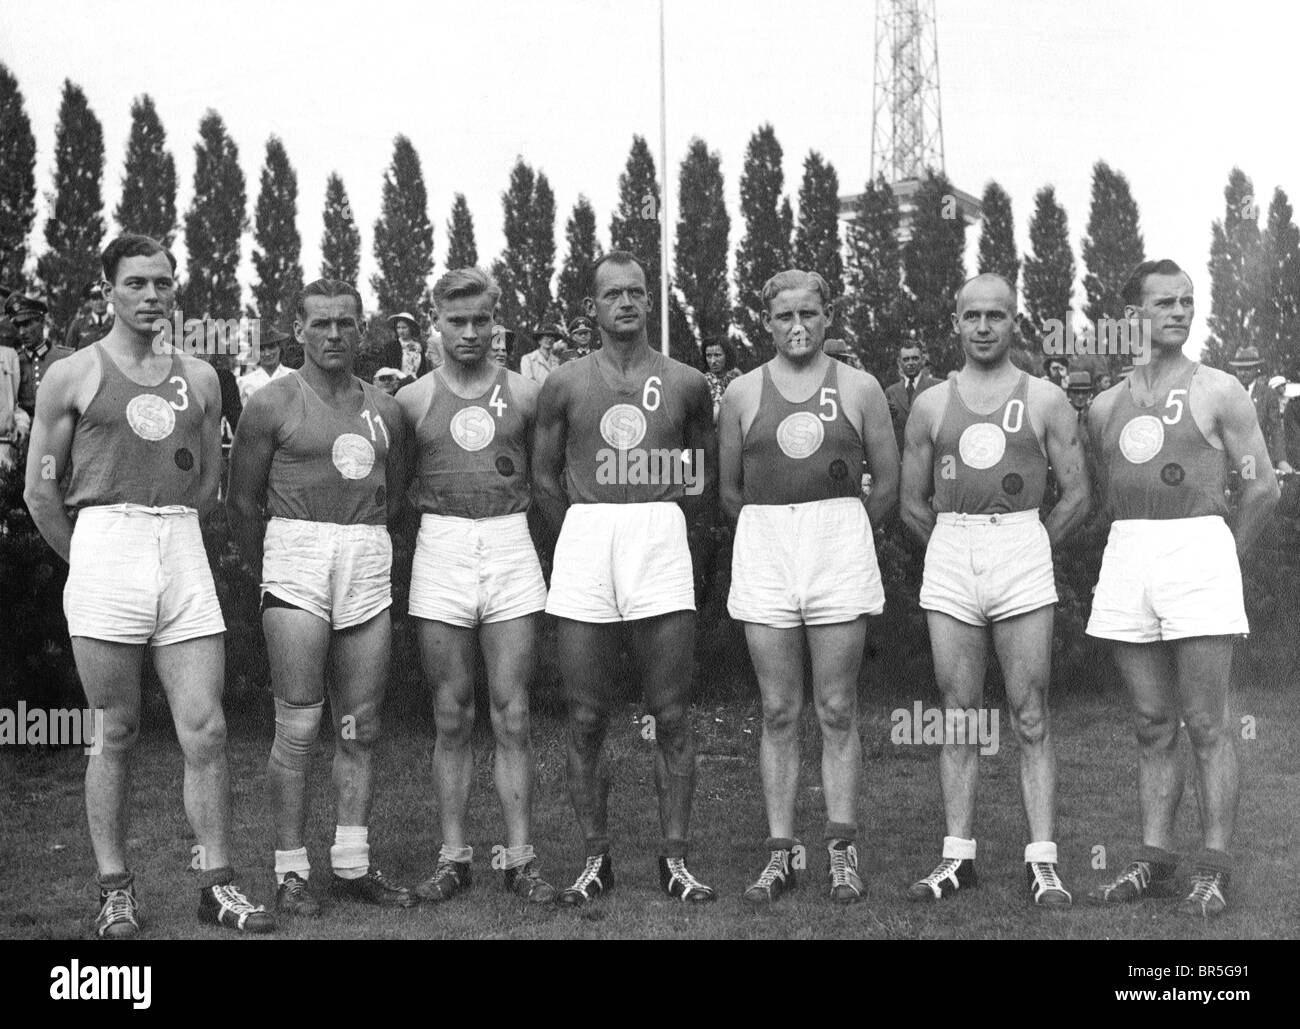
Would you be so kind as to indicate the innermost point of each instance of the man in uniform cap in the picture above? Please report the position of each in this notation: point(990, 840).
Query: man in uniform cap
point(35, 352)
point(581, 330)
point(1249, 370)
point(268, 364)
point(94, 321)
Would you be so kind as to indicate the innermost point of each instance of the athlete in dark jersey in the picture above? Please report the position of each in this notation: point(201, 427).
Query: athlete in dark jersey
point(322, 455)
point(611, 432)
point(133, 430)
point(476, 583)
point(796, 437)
point(1170, 594)
point(974, 473)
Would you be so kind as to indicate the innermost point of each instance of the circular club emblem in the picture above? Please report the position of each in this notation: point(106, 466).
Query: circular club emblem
point(184, 459)
point(505, 467)
point(838, 470)
point(1012, 484)
point(150, 417)
point(982, 445)
point(353, 456)
point(1172, 474)
point(473, 428)
point(800, 435)
point(1141, 439)
point(623, 426)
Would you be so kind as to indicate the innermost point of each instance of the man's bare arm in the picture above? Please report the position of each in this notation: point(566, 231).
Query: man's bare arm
point(250, 466)
point(49, 454)
point(207, 386)
point(1065, 452)
point(918, 472)
point(1248, 452)
point(548, 452)
point(731, 441)
point(882, 452)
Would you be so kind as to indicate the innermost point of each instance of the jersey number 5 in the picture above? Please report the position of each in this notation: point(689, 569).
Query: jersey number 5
point(1175, 399)
point(830, 408)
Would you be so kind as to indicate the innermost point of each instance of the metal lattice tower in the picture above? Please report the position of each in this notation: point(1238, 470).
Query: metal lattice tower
point(906, 120)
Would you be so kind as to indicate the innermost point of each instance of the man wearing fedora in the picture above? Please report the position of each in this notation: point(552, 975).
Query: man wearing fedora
point(914, 378)
point(94, 321)
point(268, 365)
point(35, 352)
point(1249, 370)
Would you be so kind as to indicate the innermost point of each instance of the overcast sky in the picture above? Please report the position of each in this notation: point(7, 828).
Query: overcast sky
point(1033, 92)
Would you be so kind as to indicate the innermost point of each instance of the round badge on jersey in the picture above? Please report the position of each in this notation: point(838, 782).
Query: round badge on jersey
point(150, 417)
point(800, 435)
point(353, 456)
point(473, 428)
point(1141, 439)
point(623, 426)
point(982, 445)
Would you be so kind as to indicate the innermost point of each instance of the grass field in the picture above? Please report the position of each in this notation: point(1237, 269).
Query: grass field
point(48, 865)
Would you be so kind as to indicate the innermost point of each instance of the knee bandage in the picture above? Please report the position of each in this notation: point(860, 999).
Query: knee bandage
point(296, 728)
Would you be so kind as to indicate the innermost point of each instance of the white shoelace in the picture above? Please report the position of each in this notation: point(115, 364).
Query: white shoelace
point(1045, 879)
point(589, 874)
point(1205, 887)
point(119, 906)
point(230, 898)
point(677, 866)
point(776, 869)
point(1138, 874)
point(947, 869)
point(842, 868)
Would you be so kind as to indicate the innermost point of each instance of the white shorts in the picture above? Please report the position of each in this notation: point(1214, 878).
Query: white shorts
point(804, 564)
point(985, 568)
point(470, 571)
point(340, 573)
point(140, 575)
point(1168, 579)
point(620, 562)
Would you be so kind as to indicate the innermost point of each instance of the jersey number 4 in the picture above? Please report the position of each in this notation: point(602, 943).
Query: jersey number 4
point(496, 403)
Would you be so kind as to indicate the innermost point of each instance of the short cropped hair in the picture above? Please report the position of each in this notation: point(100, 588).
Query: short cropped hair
point(131, 244)
point(956, 297)
point(465, 282)
point(326, 288)
point(795, 278)
point(1131, 294)
point(620, 257)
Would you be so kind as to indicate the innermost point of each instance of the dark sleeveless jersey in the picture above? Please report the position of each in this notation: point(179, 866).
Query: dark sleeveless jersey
point(988, 463)
point(626, 446)
point(473, 454)
point(137, 444)
point(329, 465)
point(1158, 462)
point(799, 453)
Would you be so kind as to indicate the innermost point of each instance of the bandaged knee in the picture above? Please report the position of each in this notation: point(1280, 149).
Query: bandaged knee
point(296, 729)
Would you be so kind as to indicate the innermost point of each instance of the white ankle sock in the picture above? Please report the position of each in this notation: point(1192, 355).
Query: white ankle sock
point(1043, 850)
point(350, 855)
point(287, 861)
point(956, 847)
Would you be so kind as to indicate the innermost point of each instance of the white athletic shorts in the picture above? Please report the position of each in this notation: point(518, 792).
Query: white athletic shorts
point(985, 568)
point(804, 564)
point(1167, 579)
point(340, 573)
point(140, 575)
point(620, 562)
point(470, 571)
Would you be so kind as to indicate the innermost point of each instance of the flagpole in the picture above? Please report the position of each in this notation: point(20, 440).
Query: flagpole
point(665, 209)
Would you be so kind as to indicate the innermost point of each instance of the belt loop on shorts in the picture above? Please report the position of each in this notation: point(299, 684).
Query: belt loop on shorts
point(1001, 518)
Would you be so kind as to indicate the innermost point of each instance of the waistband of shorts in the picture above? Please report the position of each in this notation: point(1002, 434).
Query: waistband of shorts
point(168, 511)
point(1004, 518)
point(337, 528)
point(825, 504)
point(489, 523)
point(1164, 526)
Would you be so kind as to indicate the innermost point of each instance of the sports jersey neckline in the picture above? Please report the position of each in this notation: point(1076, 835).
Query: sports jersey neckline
point(496, 379)
point(655, 363)
point(1156, 394)
point(826, 381)
point(103, 354)
point(1015, 388)
point(310, 391)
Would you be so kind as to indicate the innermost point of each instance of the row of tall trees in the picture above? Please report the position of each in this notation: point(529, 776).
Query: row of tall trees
point(886, 285)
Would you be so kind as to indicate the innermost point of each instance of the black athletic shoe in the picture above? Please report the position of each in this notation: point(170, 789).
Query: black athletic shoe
point(226, 905)
point(845, 886)
point(372, 888)
point(1045, 886)
point(596, 878)
point(1207, 899)
point(527, 882)
point(1140, 880)
point(776, 880)
point(949, 876)
point(119, 915)
point(294, 898)
point(449, 878)
point(675, 879)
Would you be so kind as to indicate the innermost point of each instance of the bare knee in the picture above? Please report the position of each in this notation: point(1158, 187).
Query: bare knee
point(1156, 730)
point(838, 714)
point(455, 720)
point(510, 721)
point(358, 730)
point(202, 734)
point(1207, 730)
point(120, 732)
point(587, 727)
point(1031, 725)
point(781, 717)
